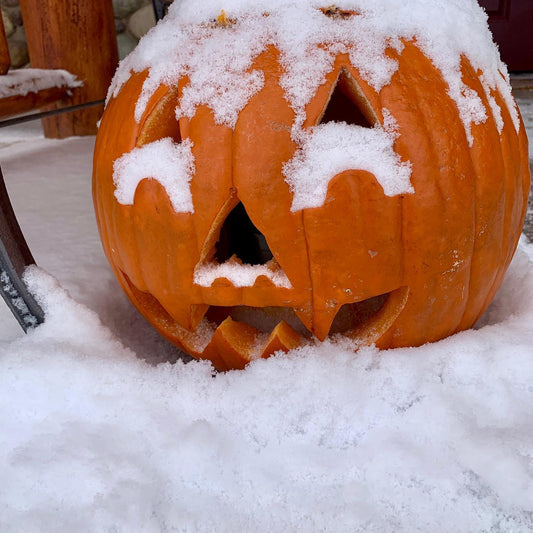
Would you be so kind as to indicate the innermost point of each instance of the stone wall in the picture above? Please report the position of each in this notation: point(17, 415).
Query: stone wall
point(133, 18)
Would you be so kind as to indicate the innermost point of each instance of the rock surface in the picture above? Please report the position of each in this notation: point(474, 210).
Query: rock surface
point(124, 8)
point(18, 48)
point(141, 21)
point(126, 43)
point(9, 27)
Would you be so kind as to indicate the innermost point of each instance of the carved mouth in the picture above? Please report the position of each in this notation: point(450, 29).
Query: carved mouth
point(233, 336)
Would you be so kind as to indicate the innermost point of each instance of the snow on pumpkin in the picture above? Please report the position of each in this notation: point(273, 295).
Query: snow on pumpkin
point(357, 150)
point(332, 148)
point(169, 163)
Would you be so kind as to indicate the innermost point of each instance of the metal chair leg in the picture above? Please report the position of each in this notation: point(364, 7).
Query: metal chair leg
point(15, 256)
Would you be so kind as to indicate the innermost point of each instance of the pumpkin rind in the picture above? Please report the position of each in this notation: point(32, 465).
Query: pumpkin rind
point(448, 244)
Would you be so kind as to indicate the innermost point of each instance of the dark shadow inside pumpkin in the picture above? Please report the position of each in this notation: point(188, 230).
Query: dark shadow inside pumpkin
point(348, 104)
point(239, 237)
point(265, 319)
point(351, 316)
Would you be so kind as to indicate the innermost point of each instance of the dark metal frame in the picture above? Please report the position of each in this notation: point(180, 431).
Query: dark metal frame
point(15, 256)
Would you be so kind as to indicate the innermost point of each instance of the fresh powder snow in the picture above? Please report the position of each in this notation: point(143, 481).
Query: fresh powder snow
point(20, 82)
point(331, 148)
point(217, 58)
point(170, 163)
point(102, 431)
point(104, 426)
point(240, 275)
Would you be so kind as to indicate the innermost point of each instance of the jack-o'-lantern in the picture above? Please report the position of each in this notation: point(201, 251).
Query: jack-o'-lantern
point(260, 183)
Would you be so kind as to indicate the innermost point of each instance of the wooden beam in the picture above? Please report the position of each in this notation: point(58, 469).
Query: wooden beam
point(14, 105)
point(78, 36)
point(5, 59)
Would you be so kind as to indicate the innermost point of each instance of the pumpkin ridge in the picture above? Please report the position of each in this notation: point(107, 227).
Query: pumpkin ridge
point(325, 312)
point(507, 236)
point(471, 80)
point(309, 324)
point(466, 253)
point(507, 217)
point(423, 81)
point(106, 142)
point(465, 68)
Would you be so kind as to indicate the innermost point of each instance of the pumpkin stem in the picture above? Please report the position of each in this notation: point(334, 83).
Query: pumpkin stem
point(223, 20)
point(336, 12)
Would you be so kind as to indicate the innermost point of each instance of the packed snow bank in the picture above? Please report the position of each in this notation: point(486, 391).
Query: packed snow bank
point(437, 438)
point(92, 438)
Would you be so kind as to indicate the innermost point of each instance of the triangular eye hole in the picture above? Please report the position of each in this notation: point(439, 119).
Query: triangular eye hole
point(241, 238)
point(348, 104)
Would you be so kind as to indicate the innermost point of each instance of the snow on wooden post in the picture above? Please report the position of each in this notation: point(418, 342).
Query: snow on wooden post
point(78, 36)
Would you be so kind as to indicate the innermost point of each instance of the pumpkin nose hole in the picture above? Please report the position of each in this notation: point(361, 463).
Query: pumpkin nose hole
point(348, 104)
point(241, 238)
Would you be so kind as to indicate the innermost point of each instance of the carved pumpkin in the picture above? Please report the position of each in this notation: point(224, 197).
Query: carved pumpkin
point(239, 270)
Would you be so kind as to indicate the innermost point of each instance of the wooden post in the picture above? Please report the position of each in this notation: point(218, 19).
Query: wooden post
point(78, 36)
point(5, 59)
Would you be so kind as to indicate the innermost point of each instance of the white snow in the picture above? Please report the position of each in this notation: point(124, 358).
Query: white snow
point(217, 58)
point(170, 163)
point(240, 275)
point(95, 436)
point(20, 82)
point(98, 433)
point(331, 148)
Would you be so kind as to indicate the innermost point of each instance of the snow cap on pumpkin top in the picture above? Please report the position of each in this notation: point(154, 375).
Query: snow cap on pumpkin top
point(218, 56)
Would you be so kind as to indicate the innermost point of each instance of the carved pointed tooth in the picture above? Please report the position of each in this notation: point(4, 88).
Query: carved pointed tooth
point(323, 318)
point(235, 343)
point(283, 337)
point(306, 317)
point(198, 312)
point(211, 353)
point(376, 326)
point(184, 313)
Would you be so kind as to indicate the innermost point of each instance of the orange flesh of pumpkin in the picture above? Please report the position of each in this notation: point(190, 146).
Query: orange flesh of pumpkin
point(447, 245)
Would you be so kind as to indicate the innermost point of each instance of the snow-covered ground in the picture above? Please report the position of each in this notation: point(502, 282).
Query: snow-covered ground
point(99, 432)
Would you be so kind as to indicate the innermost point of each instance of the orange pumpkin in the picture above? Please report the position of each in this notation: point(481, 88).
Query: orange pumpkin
point(396, 271)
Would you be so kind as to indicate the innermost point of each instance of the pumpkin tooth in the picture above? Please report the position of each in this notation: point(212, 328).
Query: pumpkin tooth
point(235, 343)
point(323, 317)
point(187, 315)
point(305, 316)
point(377, 325)
point(198, 312)
point(283, 337)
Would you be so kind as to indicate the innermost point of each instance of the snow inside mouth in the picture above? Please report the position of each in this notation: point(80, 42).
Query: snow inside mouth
point(240, 254)
point(240, 275)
